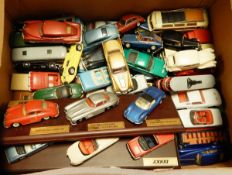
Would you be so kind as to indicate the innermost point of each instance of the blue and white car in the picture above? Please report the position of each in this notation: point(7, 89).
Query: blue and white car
point(94, 79)
point(138, 111)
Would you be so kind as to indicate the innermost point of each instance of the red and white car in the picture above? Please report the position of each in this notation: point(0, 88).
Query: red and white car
point(201, 35)
point(51, 31)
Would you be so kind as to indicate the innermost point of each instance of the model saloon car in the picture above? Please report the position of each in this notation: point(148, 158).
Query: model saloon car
point(142, 145)
point(139, 110)
point(72, 90)
point(145, 63)
point(197, 98)
point(94, 104)
point(117, 66)
point(30, 112)
point(51, 31)
point(200, 117)
point(201, 154)
point(128, 22)
point(83, 150)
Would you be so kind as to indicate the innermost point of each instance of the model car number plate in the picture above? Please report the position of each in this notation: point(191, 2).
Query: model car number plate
point(50, 130)
point(106, 126)
point(164, 122)
point(160, 161)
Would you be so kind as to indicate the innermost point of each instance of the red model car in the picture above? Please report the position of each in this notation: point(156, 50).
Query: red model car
point(30, 112)
point(129, 22)
point(201, 117)
point(142, 145)
point(201, 35)
point(52, 31)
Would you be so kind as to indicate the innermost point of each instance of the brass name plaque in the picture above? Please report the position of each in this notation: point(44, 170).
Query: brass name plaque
point(106, 126)
point(160, 161)
point(164, 122)
point(50, 130)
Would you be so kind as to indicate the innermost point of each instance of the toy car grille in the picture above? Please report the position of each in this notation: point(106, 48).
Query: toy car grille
point(20, 150)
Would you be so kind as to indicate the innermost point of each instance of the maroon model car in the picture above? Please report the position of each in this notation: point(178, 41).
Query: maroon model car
point(52, 31)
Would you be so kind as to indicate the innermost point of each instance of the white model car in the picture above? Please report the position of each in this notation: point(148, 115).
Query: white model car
point(197, 98)
point(200, 117)
point(81, 151)
point(190, 59)
point(139, 82)
point(39, 53)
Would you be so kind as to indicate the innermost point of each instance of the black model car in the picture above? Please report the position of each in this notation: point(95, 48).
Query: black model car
point(177, 40)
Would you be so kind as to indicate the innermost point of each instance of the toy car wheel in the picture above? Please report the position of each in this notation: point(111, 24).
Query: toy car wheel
point(78, 47)
point(46, 118)
point(153, 48)
point(127, 45)
point(71, 70)
point(16, 125)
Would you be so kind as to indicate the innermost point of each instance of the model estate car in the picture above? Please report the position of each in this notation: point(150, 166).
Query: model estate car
point(117, 66)
point(200, 117)
point(71, 62)
point(30, 112)
point(95, 37)
point(94, 104)
point(94, 79)
point(143, 40)
point(177, 19)
point(201, 154)
point(190, 59)
point(197, 98)
point(83, 150)
point(72, 90)
point(52, 31)
point(145, 63)
point(128, 22)
point(139, 110)
point(19, 152)
point(142, 145)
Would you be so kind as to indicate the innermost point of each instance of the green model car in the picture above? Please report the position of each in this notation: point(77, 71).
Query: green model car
point(73, 90)
point(145, 63)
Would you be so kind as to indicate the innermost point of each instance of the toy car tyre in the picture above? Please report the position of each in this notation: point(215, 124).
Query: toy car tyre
point(46, 118)
point(78, 47)
point(71, 70)
point(16, 125)
point(127, 45)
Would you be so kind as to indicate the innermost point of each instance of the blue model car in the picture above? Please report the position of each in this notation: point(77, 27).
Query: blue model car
point(138, 111)
point(143, 40)
point(201, 154)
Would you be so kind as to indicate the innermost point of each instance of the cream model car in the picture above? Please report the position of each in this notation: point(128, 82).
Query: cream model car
point(117, 66)
point(197, 99)
point(81, 151)
point(190, 59)
point(71, 62)
point(177, 19)
point(200, 117)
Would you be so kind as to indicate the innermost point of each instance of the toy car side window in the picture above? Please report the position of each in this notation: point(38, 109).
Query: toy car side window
point(171, 17)
point(130, 20)
point(20, 150)
point(104, 31)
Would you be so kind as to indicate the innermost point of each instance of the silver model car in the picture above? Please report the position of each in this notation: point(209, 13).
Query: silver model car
point(94, 103)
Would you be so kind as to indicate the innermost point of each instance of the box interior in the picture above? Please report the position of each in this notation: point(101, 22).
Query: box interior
point(220, 24)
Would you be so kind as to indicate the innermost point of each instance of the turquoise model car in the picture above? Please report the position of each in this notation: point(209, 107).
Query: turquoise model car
point(145, 63)
point(72, 90)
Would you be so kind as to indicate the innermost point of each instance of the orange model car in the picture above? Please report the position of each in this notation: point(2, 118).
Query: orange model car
point(30, 112)
point(142, 145)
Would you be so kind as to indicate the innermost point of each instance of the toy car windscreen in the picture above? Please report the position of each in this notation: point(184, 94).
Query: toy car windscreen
point(147, 142)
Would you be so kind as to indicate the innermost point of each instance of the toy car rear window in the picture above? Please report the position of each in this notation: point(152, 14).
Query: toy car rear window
point(147, 142)
point(171, 17)
point(132, 56)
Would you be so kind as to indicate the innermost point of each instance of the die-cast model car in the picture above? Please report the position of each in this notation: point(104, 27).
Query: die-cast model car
point(190, 59)
point(30, 112)
point(139, 110)
point(19, 152)
point(94, 79)
point(83, 150)
point(201, 154)
point(128, 22)
point(117, 66)
point(142, 145)
point(143, 40)
point(71, 62)
point(197, 98)
point(95, 37)
point(34, 80)
point(39, 53)
point(51, 31)
point(200, 117)
point(177, 19)
point(145, 63)
point(94, 104)
point(201, 35)
point(72, 90)
point(139, 82)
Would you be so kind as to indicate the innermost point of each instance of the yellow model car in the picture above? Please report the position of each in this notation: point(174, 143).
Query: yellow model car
point(117, 66)
point(71, 62)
